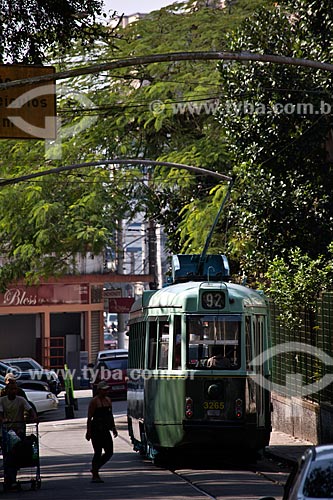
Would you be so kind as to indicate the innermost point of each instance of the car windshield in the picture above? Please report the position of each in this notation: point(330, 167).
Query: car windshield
point(319, 481)
point(115, 364)
point(213, 341)
point(108, 336)
point(24, 365)
point(5, 368)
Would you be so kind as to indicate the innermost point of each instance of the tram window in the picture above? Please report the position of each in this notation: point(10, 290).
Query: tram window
point(213, 336)
point(248, 345)
point(177, 354)
point(163, 346)
point(152, 345)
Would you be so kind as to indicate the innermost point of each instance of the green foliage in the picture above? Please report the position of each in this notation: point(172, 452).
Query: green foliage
point(313, 23)
point(141, 111)
point(195, 228)
point(295, 283)
point(283, 176)
point(32, 28)
point(171, 109)
point(46, 222)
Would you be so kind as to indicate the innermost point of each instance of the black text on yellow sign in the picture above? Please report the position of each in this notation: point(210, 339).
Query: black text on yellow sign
point(27, 111)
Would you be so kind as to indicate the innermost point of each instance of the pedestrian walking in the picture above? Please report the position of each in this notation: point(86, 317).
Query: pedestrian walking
point(100, 423)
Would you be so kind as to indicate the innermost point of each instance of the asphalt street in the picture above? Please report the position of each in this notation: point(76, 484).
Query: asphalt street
point(65, 459)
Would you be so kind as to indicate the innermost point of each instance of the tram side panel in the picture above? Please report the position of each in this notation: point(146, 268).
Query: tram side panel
point(164, 411)
point(135, 403)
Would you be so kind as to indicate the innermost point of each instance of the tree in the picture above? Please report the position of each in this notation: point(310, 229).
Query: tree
point(275, 125)
point(45, 223)
point(30, 29)
point(296, 282)
point(166, 111)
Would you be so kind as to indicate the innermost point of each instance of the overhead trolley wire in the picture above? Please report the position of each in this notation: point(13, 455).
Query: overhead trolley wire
point(118, 161)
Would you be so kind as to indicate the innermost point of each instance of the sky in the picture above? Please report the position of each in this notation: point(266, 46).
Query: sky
point(132, 6)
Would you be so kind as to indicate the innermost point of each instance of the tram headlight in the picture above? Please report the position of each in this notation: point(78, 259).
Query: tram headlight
point(238, 408)
point(189, 407)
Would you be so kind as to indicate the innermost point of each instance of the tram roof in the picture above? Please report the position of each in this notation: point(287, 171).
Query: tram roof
point(176, 295)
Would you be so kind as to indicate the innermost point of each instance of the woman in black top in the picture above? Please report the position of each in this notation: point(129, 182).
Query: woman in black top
point(99, 424)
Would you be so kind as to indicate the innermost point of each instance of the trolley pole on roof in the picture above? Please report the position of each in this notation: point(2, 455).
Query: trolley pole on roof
point(210, 234)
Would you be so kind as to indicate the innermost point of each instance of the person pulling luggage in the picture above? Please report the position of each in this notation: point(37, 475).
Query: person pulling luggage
point(13, 410)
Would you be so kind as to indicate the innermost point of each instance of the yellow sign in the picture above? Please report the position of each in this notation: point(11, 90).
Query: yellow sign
point(27, 111)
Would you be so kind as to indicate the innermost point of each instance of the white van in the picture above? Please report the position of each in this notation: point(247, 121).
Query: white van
point(111, 321)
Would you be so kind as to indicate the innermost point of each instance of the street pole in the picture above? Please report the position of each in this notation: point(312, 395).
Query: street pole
point(120, 270)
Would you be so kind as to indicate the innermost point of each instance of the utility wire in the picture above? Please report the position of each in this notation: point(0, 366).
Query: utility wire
point(172, 57)
point(202, 171)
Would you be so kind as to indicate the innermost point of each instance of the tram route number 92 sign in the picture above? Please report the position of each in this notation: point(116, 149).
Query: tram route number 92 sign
point(27, 111)
point(213, 300)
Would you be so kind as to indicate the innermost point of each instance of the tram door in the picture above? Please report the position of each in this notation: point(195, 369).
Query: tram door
point(259, 346)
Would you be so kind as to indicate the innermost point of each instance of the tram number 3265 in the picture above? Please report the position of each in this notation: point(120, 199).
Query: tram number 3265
point(213, 405)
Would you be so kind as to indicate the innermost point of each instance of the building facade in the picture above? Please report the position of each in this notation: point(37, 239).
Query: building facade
point(56, 322)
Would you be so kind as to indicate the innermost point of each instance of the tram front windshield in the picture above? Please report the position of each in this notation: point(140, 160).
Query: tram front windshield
point(213, 341)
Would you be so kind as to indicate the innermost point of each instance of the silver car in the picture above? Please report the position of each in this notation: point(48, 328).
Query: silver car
point(312, 476)
point(42, 401)
point(111, 353)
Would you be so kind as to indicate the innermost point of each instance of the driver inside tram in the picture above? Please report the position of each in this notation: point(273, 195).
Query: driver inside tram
point(219, 359)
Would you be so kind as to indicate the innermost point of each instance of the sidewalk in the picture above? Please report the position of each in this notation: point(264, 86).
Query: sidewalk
point(286, 448)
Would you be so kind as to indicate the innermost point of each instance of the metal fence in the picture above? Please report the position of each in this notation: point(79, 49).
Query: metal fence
point(294, 367)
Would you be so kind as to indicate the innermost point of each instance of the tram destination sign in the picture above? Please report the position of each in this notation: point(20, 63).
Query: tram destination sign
point(27, 111)
point(213, 300)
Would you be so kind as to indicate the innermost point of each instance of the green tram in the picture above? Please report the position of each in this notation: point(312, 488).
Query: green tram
point(192, 383)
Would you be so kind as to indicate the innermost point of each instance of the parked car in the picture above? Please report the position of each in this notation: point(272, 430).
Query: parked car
point(110, 342)
point(113, 353)
point(37, 385)
point(312, 476)
point(41, 401)
point(112, 369)
point(29, 368)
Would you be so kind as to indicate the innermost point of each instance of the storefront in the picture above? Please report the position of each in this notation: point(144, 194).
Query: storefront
point(53, 322)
